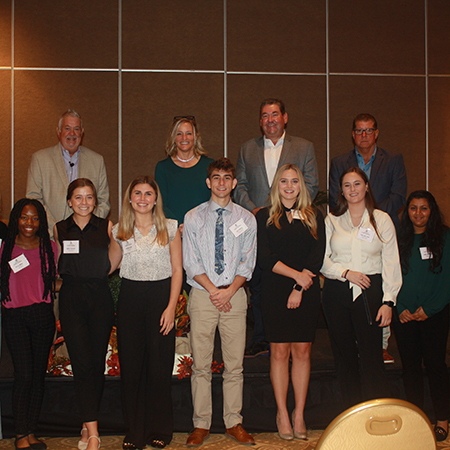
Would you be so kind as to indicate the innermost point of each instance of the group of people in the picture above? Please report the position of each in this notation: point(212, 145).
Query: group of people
point(207, 225)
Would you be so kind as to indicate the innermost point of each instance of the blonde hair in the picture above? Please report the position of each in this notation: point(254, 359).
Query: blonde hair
point(171, 147)
point(302, 205)
point(127, 217)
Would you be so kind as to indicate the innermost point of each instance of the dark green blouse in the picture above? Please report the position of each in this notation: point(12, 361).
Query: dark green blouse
point(421, 287)
point(182, 188)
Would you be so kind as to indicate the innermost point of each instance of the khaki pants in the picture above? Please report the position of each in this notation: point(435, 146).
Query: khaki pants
point(205, 318)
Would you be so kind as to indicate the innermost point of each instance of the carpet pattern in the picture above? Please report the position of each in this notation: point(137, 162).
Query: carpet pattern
point(264, 441)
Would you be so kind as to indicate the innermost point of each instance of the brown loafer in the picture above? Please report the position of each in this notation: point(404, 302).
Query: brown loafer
point(197, 437)
point(239, 434)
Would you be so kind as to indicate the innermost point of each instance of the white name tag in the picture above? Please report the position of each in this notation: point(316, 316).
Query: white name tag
point(297, 214)
point(129, 246)
point(0, 242)
point(71, 247)
point(365, 234)
point(19, 263)
point(238, 228)
point(425, 253)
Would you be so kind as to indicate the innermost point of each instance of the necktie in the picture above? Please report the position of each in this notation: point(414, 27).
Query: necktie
point(218, 260)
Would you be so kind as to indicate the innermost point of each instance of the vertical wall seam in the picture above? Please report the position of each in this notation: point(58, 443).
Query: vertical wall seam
point(327, 78)
point(119, 118)
point(426, 98)
point(225, 80)
point(12, 104)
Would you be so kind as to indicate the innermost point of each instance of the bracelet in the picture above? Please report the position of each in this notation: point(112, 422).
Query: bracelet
point(345, 273)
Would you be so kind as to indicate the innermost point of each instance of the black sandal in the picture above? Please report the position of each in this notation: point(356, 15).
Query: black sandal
point(157, 443)
point(18, 439)
point(440, 433)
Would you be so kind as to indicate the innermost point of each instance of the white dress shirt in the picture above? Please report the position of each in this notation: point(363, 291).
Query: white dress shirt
point(272, 154)
point(345, 250)
point(199, 235)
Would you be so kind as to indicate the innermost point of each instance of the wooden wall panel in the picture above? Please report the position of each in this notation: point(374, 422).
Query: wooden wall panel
point(66, 34)
point(377, 36)
point(173, 35)
point(439, 146)
point(5, 144)
point(5, 33)
point(282, 36)
point(438, 36)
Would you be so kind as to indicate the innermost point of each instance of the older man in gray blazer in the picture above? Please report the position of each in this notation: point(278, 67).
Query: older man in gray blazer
point(258, 161)
point(54, 168)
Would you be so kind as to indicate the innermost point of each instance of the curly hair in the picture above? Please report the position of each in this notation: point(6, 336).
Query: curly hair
point(48, 265)
point(433, 238)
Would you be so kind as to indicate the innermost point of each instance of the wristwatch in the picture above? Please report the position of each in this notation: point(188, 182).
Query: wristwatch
point(389, 303)
point(297, 287)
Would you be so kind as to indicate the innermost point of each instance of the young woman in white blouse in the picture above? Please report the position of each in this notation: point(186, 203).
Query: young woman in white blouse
point(149, 248)
point(363, 278)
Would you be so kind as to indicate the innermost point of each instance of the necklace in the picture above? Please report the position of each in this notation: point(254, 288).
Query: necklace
point(186, 160)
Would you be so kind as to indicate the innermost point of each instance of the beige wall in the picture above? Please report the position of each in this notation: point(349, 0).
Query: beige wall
point(129, 66)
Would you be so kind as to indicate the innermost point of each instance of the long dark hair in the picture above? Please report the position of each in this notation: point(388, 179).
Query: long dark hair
point(48, 266)
point(342, 204)
point(433, 238)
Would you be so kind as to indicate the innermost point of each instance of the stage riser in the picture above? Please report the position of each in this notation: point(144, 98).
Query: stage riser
point(59, 415)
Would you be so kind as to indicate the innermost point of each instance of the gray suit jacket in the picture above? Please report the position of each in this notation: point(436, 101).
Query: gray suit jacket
point(48, 181)
point(252, 190)
point(387, 180)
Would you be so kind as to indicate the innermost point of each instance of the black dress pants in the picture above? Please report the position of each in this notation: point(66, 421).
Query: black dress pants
point(29, 333)
point(146, 361)
point(426, 341)
point(86, 312)
point(357, 345)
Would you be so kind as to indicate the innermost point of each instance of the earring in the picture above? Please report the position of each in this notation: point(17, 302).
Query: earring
point(130, 201)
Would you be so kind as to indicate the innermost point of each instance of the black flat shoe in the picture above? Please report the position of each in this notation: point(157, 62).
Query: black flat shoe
point(157, 443)
point(39, 445)
point(440, 433)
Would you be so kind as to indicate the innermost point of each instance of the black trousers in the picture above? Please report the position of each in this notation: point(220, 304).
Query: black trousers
point(29, 333)
point(426, 341)
point(357, 346)
point(146, 361)
point(86, 312)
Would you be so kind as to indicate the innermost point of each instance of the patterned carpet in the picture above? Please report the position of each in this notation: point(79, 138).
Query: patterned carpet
point(264, 441)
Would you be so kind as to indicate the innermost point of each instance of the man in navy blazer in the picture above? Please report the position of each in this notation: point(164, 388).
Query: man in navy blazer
point(258, 161)
point(386, 170)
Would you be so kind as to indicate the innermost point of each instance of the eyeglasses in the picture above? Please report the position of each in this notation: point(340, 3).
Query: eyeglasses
point(184, 117)
point(368, 131)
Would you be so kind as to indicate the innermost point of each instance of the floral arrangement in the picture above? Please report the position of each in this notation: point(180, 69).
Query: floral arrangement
point(182, 321)
point(185, 367)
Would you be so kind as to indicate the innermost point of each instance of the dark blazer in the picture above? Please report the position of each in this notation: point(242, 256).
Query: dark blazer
point(252, 190)
point(387, 180)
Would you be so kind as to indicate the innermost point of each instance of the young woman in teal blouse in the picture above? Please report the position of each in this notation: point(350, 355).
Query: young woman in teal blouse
point(423, 304)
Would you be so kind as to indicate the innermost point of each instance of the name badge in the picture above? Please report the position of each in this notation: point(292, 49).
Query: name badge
point(71, 247)
point(297, 214)
point(365, 234)
point(425, 253)
point(19, 263)
point(1, 242)
point(238, 228)
point(129, 246)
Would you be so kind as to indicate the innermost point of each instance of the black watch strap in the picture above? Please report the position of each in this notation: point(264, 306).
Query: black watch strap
point(389, 303)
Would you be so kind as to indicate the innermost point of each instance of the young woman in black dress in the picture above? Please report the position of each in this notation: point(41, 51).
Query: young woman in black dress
point(291, 245)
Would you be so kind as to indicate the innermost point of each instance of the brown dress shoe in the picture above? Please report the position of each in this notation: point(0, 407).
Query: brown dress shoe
point(239, 434)
point(197, 437)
